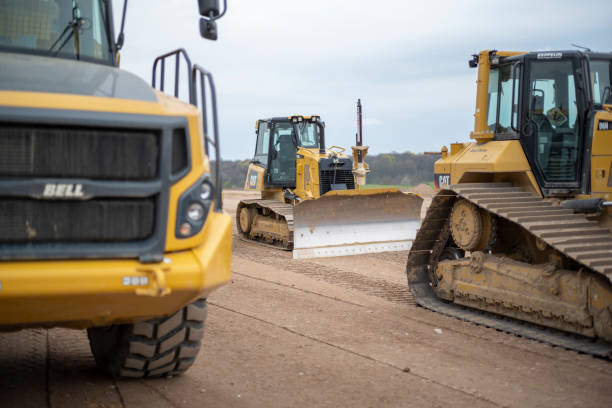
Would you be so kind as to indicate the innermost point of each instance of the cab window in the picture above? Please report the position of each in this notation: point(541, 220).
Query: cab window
point(263, 143)
point(283, 155)
point(308, 134)
point(502, 109)
point(493, 96)
point(553, 118)
point(601, 78)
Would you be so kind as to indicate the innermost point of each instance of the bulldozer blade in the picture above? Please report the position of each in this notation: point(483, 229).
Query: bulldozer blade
point(353, 222)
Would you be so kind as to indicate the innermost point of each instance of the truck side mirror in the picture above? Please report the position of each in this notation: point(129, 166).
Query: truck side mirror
point(210, 11)
point(209, 6)
point(208, 29)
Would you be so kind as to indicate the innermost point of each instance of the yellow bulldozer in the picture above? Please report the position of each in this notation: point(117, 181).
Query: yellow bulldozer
point(110, 217)
point(520, 225)
point(311, 201)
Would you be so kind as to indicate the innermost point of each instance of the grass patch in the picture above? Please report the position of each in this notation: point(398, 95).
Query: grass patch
point(399, 187)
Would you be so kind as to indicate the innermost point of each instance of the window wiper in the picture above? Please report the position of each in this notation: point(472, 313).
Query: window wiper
point(106, 25)
point(605, 95)
point(73, 28)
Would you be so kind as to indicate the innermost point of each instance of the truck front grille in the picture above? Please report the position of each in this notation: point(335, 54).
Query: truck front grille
point(78, 184)
point(98, 220)
point(74, 152)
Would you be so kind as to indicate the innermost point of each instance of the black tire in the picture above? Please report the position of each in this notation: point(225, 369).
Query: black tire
point(153, 348)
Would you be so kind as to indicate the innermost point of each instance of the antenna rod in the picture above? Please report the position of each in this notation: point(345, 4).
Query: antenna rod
point(581, 47)
point(359, 135)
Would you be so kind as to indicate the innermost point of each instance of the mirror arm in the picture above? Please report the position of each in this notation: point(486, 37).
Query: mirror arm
point(224, 10)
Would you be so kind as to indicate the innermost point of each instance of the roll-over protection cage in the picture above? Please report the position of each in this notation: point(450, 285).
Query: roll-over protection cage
point(195, 73)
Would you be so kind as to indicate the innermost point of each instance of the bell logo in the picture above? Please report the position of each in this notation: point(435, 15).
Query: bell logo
point(63, 190)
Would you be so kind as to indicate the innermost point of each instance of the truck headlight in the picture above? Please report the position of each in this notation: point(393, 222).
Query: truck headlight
point(193, 207)
point(206, 191)
point(195, 212)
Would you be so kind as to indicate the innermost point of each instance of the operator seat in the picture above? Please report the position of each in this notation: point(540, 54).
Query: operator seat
point(544, 132)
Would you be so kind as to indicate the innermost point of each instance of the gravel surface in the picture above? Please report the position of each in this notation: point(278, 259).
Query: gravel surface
point(340, 332)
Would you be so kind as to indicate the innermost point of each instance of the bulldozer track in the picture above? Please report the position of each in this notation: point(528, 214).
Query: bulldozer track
point(557, 227)
point(276, 207)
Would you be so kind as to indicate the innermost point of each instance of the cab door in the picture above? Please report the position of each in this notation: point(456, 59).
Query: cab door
point(551, 129)
point(282, 155)
point(601, 149)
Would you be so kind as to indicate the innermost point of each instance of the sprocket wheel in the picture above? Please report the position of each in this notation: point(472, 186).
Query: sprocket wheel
point(245, 220)
point(466, 225)
point(472, 229)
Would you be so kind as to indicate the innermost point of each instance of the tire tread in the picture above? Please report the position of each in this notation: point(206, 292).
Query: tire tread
point(156, 347)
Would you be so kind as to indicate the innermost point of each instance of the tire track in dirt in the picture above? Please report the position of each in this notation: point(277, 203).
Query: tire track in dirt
point(395, 293)
point(469, 393)
point(389, 291)
point(399, 257)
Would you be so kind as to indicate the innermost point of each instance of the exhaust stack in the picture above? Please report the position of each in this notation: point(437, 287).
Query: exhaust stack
point(360, 167)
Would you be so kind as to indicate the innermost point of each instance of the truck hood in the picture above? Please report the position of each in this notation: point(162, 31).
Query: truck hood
point(22, 72)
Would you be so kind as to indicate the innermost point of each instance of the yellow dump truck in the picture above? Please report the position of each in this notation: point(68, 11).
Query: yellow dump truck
point(110, 217)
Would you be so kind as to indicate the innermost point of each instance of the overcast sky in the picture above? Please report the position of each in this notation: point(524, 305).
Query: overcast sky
point(406, 60)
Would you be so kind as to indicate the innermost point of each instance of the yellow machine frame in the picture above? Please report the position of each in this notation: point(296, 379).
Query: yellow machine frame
point(505, 160)
point(504, 238)
point(84, 293)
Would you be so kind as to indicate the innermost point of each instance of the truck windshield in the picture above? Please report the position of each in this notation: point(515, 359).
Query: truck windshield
point(75, 29)
point(601, 78)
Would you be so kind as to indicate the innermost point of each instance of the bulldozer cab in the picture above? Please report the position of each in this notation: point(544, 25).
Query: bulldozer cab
point(544, 100)
point(277, 142)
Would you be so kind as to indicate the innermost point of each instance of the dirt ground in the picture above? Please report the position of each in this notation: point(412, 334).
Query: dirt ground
point(338, 332)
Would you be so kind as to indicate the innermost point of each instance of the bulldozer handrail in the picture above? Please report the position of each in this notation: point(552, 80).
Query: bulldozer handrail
point(515, 67)
point(340, 149)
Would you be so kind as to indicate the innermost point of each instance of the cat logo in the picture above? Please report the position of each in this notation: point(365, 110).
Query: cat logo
point(53, 190)
point(441, 180)
point(253, 180)
point(604, 125)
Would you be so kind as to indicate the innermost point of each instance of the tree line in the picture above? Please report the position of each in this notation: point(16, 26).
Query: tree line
point(407, 169)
